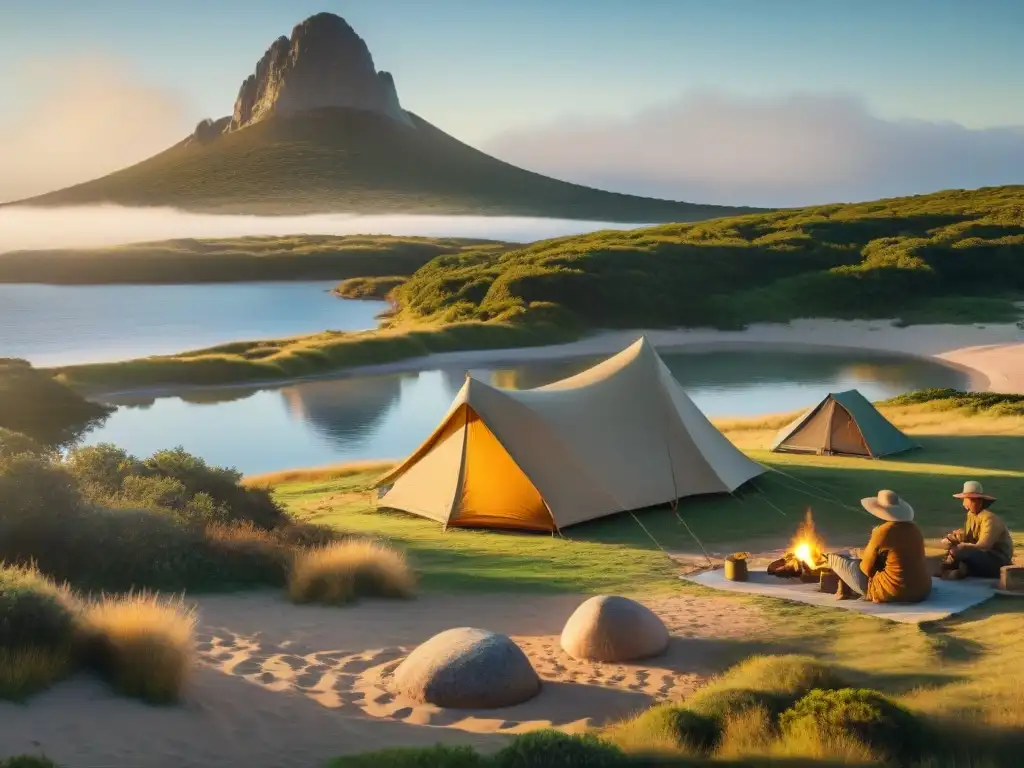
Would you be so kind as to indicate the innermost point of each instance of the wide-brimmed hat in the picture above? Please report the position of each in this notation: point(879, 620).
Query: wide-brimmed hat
point(888, 506)
point(973, 490)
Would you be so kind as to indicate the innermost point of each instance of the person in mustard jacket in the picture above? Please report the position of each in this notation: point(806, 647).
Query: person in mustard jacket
point(892, 568)
point(984, 545)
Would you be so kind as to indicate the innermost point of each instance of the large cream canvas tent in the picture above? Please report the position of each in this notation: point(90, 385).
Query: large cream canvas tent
point(843, 424)
point(619, 436)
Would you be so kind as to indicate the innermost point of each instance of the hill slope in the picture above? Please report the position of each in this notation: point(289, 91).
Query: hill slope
point(339, 160)
point(295, 257)
point(904, 257)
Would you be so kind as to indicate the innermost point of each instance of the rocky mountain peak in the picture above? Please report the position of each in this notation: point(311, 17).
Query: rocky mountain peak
point(323, 64)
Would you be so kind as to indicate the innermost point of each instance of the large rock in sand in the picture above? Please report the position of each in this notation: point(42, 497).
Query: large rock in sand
point(467, 668)
point(610, 628)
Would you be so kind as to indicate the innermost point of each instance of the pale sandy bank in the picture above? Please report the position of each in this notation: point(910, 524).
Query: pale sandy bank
point(286, 686)
point(992, 354)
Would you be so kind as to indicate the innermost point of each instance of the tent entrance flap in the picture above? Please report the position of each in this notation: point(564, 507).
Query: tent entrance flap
point(495, 491)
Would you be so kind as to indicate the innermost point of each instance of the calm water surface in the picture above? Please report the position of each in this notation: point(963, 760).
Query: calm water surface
point(372, 417)
point(62, 325)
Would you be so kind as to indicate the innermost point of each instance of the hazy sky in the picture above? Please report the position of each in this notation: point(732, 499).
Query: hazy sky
point(114, 80)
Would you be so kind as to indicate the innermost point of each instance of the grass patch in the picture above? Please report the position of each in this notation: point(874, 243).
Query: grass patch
point(339, 573)
point(369, 287)
point(27, 671)
point(615, 554)
point(926, 258)
point(244, 361)
point(189, 260)
point(27, 761)
point(142, 644)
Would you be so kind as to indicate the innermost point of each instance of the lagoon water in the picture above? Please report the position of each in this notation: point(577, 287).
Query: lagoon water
point(61, 325)
point(381, 417)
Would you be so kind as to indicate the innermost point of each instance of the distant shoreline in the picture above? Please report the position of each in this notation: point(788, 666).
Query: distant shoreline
point(991, 355)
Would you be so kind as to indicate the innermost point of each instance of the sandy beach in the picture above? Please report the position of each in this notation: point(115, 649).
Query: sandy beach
point(992, 355)
point(290, 686)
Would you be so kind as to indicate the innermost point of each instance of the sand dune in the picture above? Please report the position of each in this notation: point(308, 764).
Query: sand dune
point(290, 686)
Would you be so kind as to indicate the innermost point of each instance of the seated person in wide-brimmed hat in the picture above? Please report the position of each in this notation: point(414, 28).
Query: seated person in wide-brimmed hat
point(893, 567)
point(983, 545)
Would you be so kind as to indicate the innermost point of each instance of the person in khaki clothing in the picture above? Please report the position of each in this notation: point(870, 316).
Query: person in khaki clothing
point(983, 545)
point(892, 568)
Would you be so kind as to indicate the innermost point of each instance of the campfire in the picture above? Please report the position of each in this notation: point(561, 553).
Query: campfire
point(805, 559)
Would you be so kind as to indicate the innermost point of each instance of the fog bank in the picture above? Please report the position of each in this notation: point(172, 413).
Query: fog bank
point(801, 149)
point(30, 228)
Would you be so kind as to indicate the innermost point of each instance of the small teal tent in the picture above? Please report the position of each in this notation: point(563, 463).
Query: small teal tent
point(843, 424)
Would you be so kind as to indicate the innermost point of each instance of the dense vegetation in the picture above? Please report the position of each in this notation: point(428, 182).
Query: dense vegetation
point(951, 257)
point(369, 287)
point(767, 711)
point(294, 257)
point(946, 257)
point(37, 408)
point(340, 160)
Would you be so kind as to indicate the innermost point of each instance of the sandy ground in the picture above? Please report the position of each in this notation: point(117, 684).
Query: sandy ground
point(993, 355)
point(280, 685)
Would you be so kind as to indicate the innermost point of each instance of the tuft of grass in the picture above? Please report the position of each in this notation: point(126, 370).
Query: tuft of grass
point(27, 671)
point(142, 644)
point(27, 761)
point(339, 573)
point(37, 630)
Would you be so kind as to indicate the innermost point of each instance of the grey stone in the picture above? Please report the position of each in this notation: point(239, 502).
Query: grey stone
point(612, 628)
point(467, 668)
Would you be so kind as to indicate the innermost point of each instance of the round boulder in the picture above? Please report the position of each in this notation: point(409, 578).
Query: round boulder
point(611, 628)
point(467, 668)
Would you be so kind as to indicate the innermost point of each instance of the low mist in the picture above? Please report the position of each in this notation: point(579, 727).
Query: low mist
point(32, 228)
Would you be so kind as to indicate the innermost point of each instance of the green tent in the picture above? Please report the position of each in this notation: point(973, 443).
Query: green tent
point(843, 424)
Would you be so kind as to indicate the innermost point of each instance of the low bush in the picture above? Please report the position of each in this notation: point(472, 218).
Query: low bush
point(344, 571)
point(174, 480)
point(665, 729)
point(860, 715)
point(35, 404)
point(27, 761)
point(554, 749)
point(37, 630)
point(143, 645)
point(439, 756)
point(14, 443)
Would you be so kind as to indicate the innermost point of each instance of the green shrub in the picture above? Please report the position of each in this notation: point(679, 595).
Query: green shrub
point(554, 749)
point(33, 403)
point(27, 761)
point(174, 480)
point(665, 729)
point(34, 612)
point(37, 629)
point(982, 402)
point(865, 715)
point(439, 756)
point(13, 443)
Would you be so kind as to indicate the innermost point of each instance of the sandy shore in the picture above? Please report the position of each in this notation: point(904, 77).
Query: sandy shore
point(291, 686)
point(992, 355)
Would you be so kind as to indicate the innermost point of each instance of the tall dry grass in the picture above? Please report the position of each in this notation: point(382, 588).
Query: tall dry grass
point(341, 572)
point(270, 480)
point(143, 644)
point(26, 671)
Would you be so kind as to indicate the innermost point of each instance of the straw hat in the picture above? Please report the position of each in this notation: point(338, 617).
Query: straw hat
point(973, 490)
point(888, 506)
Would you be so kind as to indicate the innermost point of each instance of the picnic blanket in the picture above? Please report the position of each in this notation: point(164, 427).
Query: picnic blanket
point(947, 598)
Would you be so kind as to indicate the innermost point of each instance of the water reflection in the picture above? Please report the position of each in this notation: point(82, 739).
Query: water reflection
point(372, 417)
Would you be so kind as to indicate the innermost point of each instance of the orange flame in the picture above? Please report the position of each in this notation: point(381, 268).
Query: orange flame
point(807, 545)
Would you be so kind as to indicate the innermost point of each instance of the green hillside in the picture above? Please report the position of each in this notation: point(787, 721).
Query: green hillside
point(336, 160)
point(294, 257)
point(945, 256)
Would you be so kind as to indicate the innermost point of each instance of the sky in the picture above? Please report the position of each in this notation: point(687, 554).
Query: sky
point(88, 87)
